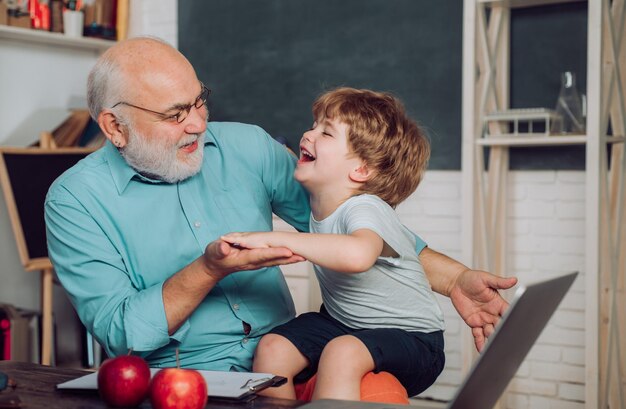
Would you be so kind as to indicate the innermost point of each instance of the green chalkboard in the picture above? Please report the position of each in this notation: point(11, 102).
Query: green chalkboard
point(267, 60)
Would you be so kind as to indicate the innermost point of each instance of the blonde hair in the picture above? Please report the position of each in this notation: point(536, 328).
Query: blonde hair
point(382, 135)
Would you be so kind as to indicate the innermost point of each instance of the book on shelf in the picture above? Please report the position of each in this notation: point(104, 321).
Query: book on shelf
point(77, 130)
point(69, 132)
point(122, 19)
point(56, 16)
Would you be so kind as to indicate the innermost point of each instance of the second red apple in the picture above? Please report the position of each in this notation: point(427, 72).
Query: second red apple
point(177, 388)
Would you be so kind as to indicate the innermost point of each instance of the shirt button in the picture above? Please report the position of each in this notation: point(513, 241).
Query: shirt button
point(197, 224)
point(245, 340)
point(235, 306)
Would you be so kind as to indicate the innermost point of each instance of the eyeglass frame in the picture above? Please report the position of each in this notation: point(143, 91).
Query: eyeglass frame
point(186, 109)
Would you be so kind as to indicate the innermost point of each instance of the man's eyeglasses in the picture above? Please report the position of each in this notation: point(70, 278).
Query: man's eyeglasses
point(183, 112)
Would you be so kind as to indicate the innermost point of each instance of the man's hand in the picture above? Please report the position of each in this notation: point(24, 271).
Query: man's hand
point(475, 297)
point(185, 290)
point(221, 259)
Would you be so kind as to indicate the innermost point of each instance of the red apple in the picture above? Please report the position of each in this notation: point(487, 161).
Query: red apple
point(177, 388)
point(124, 380)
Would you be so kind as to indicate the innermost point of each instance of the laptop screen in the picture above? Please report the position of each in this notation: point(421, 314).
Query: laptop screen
point(529, 312)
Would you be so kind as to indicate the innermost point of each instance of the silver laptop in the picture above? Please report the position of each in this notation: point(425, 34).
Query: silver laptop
point(528, 313)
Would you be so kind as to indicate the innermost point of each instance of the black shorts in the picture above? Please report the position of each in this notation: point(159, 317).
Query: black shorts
point(415, 358)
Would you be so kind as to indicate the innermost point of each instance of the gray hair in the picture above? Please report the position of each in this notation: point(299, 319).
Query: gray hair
point(107, 81)
point(103, 84)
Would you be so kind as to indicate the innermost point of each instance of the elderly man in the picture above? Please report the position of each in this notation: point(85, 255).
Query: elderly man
point(132, 228)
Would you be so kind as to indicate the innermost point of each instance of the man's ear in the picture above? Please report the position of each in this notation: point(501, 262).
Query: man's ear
point(361, 174)
point(112, 129)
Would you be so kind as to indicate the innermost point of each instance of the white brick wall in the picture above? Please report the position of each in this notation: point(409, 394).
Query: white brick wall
point(434, 212)
point(551, 207)
point(154, 18)
point(546, 237)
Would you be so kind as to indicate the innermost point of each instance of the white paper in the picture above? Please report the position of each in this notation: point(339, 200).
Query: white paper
point(220, 384)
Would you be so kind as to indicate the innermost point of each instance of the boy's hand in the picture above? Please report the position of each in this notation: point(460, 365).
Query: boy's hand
point(221, 259)
point(249, 240)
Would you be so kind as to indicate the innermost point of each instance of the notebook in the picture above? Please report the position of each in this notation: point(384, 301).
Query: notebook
point(221, 385)
point(515, 334)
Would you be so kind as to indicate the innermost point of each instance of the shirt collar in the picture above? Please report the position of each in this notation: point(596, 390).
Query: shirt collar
point(123, 173)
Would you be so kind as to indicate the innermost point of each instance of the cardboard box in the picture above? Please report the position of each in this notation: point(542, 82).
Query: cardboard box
point(22, 21)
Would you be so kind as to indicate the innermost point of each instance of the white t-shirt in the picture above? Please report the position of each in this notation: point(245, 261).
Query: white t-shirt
point(394, 292)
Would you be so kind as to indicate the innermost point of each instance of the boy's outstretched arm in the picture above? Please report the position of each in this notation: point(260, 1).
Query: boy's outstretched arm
point(346, 253)
point(473, 293)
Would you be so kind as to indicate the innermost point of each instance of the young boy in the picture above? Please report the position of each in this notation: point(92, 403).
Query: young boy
point(362, 157)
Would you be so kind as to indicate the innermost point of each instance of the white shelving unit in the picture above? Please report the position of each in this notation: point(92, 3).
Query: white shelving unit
point(53, 39)
point(30, 58)
point(486, 43)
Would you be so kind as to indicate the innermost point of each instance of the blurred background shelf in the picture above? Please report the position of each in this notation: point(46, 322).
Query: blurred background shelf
point(48, 38)
point(490, 121)
point(551, 140)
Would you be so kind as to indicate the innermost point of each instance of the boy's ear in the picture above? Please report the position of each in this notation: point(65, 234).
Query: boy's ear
point(112, 129)
point(361, 174)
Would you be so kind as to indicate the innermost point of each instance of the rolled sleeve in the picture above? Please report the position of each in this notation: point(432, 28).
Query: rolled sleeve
point(147, 328)
point(119, 314)
point(419, 244)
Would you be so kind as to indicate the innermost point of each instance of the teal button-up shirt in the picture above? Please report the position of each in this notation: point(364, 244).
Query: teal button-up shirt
point(115, 236)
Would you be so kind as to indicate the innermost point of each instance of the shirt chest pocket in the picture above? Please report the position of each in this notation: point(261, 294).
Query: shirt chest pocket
point(245, 208)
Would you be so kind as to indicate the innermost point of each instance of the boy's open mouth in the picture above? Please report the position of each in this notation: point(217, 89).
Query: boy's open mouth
point(306, 156)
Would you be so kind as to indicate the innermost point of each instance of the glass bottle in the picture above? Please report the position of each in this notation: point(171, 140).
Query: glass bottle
point(568, 108)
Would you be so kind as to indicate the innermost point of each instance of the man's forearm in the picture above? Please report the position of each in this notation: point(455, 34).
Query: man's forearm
point(184, 291)
point(441, 270)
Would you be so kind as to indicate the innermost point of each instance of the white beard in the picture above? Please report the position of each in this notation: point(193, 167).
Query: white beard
point(157, 159)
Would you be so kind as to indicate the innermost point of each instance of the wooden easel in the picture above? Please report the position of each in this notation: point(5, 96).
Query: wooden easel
point(43, 264)
point(46, 141)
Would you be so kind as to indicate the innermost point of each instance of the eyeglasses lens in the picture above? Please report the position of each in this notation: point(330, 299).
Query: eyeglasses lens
point(200, 101)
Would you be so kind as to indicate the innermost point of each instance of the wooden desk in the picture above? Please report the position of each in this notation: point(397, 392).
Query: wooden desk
point(36, 388)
